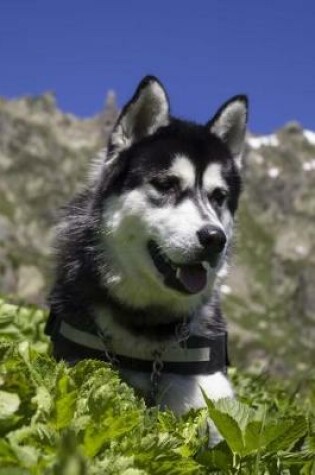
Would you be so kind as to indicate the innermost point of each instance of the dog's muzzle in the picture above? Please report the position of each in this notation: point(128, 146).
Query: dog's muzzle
point(188, 279)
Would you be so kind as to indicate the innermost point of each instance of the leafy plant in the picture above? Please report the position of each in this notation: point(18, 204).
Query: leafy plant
point(56, 419)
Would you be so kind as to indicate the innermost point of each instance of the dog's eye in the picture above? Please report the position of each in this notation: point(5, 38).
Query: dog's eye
point(164, 185)
point(218, 197)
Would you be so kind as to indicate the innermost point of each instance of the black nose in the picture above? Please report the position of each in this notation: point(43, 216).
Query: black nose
point(212, 239)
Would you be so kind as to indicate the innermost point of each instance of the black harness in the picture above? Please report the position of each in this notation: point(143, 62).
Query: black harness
point(194, 355)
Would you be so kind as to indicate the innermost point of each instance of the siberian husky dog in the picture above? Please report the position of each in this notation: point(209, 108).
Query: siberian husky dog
point(143, 249)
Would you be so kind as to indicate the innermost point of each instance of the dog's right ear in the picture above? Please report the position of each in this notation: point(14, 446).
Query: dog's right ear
point(147, 111)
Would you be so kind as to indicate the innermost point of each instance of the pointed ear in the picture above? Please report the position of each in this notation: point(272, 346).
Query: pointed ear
point(229, 124)
point(142, 115)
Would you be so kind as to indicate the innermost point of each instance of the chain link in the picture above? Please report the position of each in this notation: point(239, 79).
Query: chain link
point(182, 332)
point(157, 367)
point(109, 355)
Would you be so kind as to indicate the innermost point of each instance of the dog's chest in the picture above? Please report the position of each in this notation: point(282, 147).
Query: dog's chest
point(180, 392)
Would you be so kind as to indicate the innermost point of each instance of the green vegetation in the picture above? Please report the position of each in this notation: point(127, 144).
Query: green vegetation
point(56, 419)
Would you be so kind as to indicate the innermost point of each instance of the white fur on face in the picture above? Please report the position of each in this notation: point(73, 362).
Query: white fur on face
point(184, 169)
point(212, 178)
point(130, 221)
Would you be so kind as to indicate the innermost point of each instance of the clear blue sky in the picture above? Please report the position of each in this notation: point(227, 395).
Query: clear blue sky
point(203, 50)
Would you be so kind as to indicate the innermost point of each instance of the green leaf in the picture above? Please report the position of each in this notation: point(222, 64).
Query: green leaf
point(7, 455)
point(9, 404)
point(284, 433)
point(64, 409)
point(241, 413)
point(9, 423)
point(96, 436)
point(253, 437)
point(27, 455)
point(14, 471)
point(230, 418)
point(228, 428)
point(218, 458)
point(65, 398)
point(44, 402)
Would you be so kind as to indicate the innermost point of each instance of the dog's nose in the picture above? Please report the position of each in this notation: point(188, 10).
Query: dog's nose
point(212, 239)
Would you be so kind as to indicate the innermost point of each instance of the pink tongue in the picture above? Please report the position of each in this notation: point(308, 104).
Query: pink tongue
point(193, 278)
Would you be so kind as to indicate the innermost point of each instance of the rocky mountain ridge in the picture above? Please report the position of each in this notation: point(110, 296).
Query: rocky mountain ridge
point(269, 296)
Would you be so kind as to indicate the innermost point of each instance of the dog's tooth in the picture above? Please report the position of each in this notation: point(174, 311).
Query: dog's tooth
point(206, 265)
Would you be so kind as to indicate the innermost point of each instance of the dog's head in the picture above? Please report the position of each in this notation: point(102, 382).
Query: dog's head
point(168, 192)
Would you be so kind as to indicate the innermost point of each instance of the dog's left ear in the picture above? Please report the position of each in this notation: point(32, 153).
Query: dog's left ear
point(229, 124)
point(147, 111)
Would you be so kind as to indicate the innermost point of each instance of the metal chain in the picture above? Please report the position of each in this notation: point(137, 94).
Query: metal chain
point(109, 355)
point(157, 367)
point(182, 333)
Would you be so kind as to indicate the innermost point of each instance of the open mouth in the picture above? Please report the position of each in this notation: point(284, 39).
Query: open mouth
point(186, 278)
